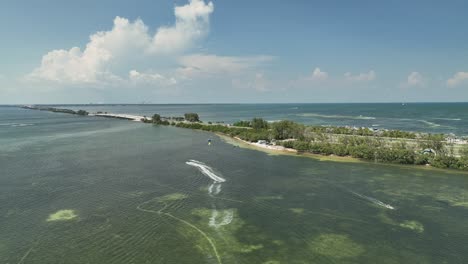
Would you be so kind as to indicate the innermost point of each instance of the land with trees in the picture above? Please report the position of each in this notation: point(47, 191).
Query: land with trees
point(386, 146)
point(58, 110)
point(191, 117)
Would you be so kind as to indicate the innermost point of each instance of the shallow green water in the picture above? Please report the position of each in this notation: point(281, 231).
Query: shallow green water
point(133, 199)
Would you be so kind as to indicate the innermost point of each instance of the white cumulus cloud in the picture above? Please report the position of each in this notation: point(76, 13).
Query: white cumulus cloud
point(125, 40)
point(414, 79)
point(366, 76)
point(192, 23)
point(318, 75)
point(457, 79)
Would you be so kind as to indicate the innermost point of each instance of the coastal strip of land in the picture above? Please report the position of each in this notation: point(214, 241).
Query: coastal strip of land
point(279, 150)
point(136, 118)
point(85, 113)
point(328, 142)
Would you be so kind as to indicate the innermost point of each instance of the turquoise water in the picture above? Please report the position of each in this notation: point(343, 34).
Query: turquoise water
point(132, 198)
point(424, 117)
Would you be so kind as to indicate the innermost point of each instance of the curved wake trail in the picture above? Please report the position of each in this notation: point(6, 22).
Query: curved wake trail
point(214, 188)
point(227, 217)
point(206, 170)
point(373, 200)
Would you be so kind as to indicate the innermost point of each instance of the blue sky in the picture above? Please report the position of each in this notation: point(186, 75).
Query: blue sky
point(233, 51)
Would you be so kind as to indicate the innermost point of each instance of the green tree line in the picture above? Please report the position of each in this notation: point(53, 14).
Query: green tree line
point(362, 143)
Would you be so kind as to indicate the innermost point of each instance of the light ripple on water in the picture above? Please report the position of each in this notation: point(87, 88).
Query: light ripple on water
point(15, 124)
point(373, 200)
point(14, 145)
point(359, 117)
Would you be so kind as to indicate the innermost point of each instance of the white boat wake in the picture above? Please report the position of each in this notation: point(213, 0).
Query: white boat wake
point(218, 218)
point(206, 170)
point(373, 200)
point(228, 215)
point(214, 188)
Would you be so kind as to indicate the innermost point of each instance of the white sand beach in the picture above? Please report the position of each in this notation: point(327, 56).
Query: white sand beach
point(124, 116)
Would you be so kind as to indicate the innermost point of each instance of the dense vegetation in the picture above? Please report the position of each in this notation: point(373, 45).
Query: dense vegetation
point(388, 146)
point(160, 120)
point(255, 123)
point(60, 110)
point(191, 117)
point(156, 118)
point(242, 123)
point(81, 112)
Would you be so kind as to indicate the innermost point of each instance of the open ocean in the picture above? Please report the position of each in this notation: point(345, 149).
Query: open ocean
point(138, 193)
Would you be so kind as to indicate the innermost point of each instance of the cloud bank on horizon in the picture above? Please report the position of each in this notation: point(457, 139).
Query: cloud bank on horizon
point(171, 60)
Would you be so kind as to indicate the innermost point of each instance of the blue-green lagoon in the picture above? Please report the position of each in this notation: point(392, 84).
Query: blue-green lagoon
point(91, 190)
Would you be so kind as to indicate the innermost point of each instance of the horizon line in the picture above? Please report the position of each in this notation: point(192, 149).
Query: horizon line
point(233, 103)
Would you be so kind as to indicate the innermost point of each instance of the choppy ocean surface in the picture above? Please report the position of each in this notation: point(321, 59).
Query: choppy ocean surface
point(423, 117)
point(92, 190)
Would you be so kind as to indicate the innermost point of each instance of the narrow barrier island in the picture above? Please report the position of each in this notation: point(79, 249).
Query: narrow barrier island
point(377, 145)
point(56, 110)
point(386, 146)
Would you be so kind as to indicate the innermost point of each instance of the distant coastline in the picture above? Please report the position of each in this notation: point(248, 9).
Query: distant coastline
point(332, 143)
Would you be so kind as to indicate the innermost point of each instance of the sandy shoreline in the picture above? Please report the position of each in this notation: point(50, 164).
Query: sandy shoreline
point(121, 116)
point(269, 147)
point(280, 150)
